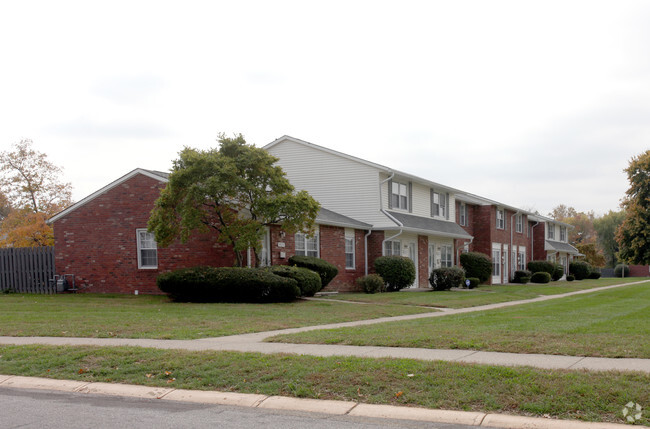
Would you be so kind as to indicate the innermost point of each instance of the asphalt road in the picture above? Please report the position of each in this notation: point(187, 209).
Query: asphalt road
point(57, 410)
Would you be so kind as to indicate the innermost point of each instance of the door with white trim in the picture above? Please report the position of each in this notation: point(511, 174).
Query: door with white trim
point(496, 265)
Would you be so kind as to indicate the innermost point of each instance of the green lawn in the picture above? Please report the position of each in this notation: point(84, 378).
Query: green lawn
point(481, 295)
point(610, 323)
point(129, 316)
point(594, 396)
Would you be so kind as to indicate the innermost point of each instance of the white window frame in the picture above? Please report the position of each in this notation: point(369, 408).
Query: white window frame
point(350, 260)
point(521, 260)
point(563, 233)
point(462, 217)
point(551, 232)
point(144, 241)
point(304, 244)
point(501, 219)
point(496, 262)
point(439, 204)
point(446, 256)
point(399, 195)
point(519, 223)
point(392, 248)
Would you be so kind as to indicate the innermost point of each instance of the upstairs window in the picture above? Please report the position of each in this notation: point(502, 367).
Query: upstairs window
point(563, 233)
point(306, 246)
point(147, 250)
point(501, 221)
point(439, 204)
point(551, 231)
point(519, 223)
point(399, 196)
point(462, 216)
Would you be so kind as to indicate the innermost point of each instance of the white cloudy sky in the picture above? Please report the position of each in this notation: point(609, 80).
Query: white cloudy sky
point(531, 103)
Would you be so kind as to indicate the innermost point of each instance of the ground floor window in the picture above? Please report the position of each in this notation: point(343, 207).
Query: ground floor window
point(147, 249)
point(446, 256)
point(307, 245)
point(349, 252)
point(522, 260)
point(496, 262)
point(392, 248)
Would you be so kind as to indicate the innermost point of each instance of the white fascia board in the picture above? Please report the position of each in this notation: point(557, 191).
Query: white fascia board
point(105, 189)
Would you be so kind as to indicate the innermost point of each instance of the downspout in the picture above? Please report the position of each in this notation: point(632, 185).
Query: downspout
point(388, 215)
point(365, 249)
point(458, 250)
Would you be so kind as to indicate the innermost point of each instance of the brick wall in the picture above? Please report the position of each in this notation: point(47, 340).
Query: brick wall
point(97, 242)
point(374, 249)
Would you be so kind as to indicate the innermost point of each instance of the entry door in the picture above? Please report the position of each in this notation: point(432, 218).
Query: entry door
point(506, 265)
point(496, 266)
point(412, 254)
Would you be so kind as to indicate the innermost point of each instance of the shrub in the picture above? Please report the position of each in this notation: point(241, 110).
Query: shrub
point(309, 282)
point(522, 276)
point(580, 269)
point(621, 269)
point(570, 277)
point(541, 266)
point(325, 270)
point(227, 284)
point(540, 277)
point(558, 272)
point(371, 283)
point(446, 278)
point(594, 275)
point(473, 282)
point(477, 265)
point(398, 272)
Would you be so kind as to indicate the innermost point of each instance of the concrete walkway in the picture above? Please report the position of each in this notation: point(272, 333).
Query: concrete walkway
point(255, 343)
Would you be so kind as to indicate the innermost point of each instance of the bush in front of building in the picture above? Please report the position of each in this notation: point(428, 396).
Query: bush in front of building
point(473, 282)
point(594, 274)
point(540, 277)
point(372, 283)
point(325, 270)
point(580, 269)
point(570, 277)
point(398, 272)
point(446, 278)
point(558, 272)
point(227, 284)
point(541, 266)
point(621, 271)
point(309, 281)
point(477, 265)
point(522, 276)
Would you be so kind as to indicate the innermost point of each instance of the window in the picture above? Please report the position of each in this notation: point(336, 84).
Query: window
point(521, 261)
point(519, 223)
point(439, 204)
point(551, 231)
point(462, 216)
point(501, 222)
point(147, 249)
point(306, 246)
point(399, 196)
point(349, 250)
point(563, 233)
point(496, 262)
point(265, 253)
point(392, 248)
point(446, 256)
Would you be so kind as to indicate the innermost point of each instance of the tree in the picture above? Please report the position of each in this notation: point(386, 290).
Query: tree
point(583, 231)
point(593, 256)
point(606, 227)
point(31, 192)
point(633, 235)
point(235, 190)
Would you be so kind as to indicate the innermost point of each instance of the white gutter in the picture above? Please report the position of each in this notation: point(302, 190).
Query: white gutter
point(388, 215)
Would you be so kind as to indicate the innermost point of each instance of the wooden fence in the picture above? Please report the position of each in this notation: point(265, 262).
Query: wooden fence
point(27, 270)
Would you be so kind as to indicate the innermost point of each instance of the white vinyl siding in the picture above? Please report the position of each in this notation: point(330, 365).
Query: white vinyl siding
point(306, 245)
point(147, 249)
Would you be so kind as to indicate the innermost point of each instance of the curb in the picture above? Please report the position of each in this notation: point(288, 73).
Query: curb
point(285, 403)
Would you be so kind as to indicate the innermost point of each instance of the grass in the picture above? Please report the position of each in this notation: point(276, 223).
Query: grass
point(596, 396)
point(609, 323)
point(129, 316)
point(482, 295)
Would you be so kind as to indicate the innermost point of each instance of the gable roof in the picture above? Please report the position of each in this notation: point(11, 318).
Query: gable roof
point(328, 217)
point(558, 246)
point(157, 175)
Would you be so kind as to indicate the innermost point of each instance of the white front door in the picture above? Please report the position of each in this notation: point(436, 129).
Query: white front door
point(496, 266)
point(506, 265)
point(412, 254)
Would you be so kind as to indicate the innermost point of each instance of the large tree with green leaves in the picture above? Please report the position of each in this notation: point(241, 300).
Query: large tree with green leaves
point(606, 227)
point(235, 190)
point(633, 236)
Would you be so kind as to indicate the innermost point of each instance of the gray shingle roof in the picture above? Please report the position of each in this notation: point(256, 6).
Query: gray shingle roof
point(558, 246)
point(433, 226)
point(328, 217)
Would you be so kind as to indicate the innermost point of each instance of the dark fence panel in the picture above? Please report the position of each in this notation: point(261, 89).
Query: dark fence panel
point(27, 270)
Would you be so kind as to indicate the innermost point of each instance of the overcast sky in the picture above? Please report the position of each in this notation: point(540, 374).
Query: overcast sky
point(532, 104)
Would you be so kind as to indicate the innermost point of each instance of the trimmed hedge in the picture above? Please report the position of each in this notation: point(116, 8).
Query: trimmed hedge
point(398, 272)
point(540, 277)
point(476, 264)
point(541, 266)
point(558, 272)
point(325, 270)
point(446, 278)
point(371, 283)
point(570, 277)
point(620, 269)
point(309, 282)
point(522, 276)
point(227, 284)
point(580, 269)
point(594, 275)
point(473, 282)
